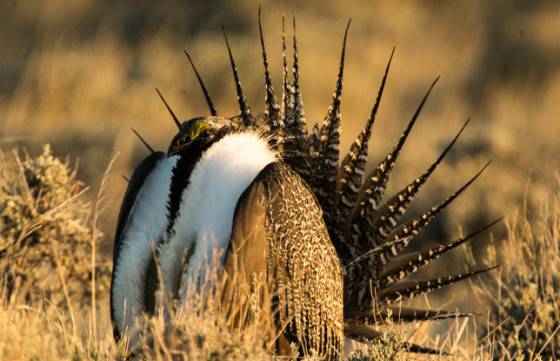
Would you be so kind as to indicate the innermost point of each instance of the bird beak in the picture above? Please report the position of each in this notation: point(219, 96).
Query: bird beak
point(172, 152)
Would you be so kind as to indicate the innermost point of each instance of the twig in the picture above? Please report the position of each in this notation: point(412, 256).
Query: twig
point(93, 248)
point(68, 301)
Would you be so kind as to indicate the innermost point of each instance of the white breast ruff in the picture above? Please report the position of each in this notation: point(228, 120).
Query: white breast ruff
point(208, 203)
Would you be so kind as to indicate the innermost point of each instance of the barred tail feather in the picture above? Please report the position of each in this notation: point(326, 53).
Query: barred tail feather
point(406, 315)
point(206, 95)
point(389, 213)
point(411, 228)
point(287, 94)
point(272, 109)
point(296, 142)
point(411, 263)
point(352, 169)
point(407, 290)
point(373, 189)
point(325, 182)
point(299, 114)
point(244, 109)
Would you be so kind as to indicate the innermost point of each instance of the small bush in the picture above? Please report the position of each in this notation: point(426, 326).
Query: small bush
point(44, 234)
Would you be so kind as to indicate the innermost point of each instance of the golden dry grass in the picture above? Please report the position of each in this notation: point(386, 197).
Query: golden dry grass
point(78, 75)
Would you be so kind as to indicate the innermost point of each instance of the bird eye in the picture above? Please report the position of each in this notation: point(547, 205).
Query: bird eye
point(204, 133)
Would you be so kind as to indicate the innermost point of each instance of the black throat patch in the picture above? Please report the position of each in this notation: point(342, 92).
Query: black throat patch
point(180, 178)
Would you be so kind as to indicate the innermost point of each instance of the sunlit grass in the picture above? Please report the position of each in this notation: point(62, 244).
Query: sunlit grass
point(61, 318)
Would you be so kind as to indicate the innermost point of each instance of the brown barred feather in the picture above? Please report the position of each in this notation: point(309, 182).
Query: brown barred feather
point(324, 185)
point(287, 93)
point(300, 125)
point(244, 109)
point(272, 108)
point(373, 189)
point(389, 213)
point(296, 142)
point(206, 95)
point(407, 290)
point(352, 169)
point(406, 315)
point(414, 226)
point(411, 263)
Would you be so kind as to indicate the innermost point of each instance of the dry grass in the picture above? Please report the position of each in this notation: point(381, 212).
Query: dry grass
point(61, 319)
point(78, 75)
point(524, 316)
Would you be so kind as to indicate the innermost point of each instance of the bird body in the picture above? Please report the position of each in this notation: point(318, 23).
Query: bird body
point(290, 222)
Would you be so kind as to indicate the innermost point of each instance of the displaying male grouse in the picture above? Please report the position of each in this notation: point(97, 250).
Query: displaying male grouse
point(284, 209)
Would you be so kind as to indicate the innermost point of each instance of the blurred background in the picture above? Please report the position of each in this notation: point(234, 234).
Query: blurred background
point(79, 74)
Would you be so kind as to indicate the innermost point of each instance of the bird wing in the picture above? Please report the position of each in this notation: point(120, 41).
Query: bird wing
point(280, 250)
point(141, 225)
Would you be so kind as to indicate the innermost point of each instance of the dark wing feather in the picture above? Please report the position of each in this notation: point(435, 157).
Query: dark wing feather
point(134, 186)
point(247, 252)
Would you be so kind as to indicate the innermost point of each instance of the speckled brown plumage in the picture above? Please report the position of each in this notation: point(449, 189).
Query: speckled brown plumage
point(303, 271)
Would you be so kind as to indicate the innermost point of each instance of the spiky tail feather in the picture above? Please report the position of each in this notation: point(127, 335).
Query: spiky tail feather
point(213, 110)
point(244, 108)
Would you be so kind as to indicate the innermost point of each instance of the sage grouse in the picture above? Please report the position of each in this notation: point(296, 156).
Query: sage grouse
point(284, 208)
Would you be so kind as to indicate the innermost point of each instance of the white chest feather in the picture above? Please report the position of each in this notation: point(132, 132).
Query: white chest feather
point(204, 223)
point(145, 229)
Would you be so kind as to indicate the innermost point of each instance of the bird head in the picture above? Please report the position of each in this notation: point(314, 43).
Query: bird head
point(199, 131)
